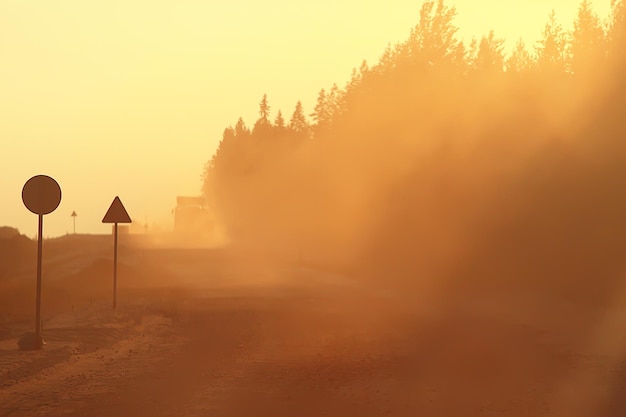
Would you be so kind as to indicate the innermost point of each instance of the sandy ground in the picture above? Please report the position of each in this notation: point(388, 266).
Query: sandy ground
point(253, 341)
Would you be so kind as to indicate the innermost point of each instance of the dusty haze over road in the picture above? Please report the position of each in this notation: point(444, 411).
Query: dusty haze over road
point(440, 234)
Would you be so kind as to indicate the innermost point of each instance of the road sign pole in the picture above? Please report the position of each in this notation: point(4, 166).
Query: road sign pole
point(115, 266)
point(74, 220)
point(114, 215)
point(41, 195)
point(38, 302)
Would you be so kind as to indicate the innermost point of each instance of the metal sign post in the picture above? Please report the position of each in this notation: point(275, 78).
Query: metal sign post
point(74, 220)
point(116, 214)
point(41, 195)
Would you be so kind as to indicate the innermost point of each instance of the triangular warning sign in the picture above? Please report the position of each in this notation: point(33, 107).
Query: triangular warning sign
point(117, 213)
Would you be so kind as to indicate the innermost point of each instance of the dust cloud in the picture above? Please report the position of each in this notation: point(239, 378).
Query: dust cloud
point(447, 162)
point(444, 238)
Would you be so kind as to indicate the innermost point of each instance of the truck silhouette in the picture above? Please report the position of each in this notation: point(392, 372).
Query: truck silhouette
point(192, 218)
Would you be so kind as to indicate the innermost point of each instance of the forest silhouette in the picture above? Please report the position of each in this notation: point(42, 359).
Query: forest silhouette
point(448, 164)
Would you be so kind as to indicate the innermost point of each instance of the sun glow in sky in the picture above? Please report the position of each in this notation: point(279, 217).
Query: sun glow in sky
point(130, 97)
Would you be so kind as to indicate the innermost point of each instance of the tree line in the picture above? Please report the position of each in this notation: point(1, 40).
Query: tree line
point(443, 150)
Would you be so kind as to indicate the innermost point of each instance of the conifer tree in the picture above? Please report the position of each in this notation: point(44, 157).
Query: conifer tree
point(280, 121)
point(551, 48)
point(587, 47)
point(520, 59)
point(336, 101)
point(321, 114)
point(240, 129)
point(263, 124)
point(616, 30)
point(433, 40)
point(298, 121)
point(489, 57)
point(264, 110)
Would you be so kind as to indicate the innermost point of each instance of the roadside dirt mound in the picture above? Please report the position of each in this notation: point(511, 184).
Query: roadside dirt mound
point(7, 232)
point(15, 251)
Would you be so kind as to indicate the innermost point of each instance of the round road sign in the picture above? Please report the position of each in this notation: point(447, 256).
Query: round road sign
point(41, 194)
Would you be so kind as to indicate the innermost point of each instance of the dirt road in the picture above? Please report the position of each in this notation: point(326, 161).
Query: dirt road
point(309, 349)
point(306, 356)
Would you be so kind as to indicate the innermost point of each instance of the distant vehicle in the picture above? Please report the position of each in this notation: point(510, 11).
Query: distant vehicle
point(192, 218)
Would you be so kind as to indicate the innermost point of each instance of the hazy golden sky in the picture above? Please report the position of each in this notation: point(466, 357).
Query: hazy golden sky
point(130, 97)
